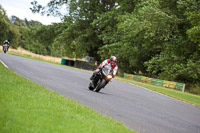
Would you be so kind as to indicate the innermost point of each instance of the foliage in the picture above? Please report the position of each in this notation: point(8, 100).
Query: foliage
point(141, 35)
point(179, 60)
point(18, 22)
point(8, 30)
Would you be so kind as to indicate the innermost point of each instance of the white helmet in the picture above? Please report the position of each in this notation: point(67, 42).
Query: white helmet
point(113, 60)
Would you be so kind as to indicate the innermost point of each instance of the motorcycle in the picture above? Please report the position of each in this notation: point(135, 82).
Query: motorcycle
point(101, 79)
point(5, 48)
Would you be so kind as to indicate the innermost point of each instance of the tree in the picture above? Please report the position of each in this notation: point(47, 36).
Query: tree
point(179, 60)
point(8, 30)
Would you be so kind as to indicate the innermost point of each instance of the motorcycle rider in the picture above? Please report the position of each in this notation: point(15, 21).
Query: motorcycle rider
point(6, 43)
point(112, 61)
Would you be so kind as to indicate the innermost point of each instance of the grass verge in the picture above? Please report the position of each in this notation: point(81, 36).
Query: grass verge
point(26, 107)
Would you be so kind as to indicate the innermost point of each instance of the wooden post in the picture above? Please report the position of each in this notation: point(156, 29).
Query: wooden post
point(183, 89)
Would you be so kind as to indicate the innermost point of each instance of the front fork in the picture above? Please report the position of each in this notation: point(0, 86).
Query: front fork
point(96, 79)
point(95, 82)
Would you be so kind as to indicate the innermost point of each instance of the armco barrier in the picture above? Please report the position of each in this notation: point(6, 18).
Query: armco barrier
point(149, 80)
point(180, 86)
point(169, 84)
point(137, 77)
point(125, 75)
point(129, 76)
point(158, 82)
point(146, 79)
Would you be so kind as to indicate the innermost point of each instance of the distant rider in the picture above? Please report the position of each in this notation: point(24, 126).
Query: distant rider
point(6, 43)
point(112, 62)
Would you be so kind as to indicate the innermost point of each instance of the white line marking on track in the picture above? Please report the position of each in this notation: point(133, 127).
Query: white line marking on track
point(149, 90)
point(163, 95)
point(3, 63)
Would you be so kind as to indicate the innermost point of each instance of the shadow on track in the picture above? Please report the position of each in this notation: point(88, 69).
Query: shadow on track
point(100, 92)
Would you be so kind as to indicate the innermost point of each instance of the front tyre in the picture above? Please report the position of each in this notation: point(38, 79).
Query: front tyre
point(90, 87)
point(4, 50)
point(100, 85)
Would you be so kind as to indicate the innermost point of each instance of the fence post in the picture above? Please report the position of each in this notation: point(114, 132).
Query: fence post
point(183, 89)
point(125, 75)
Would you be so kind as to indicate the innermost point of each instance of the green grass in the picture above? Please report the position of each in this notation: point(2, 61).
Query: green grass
point(26, 107)
point(187, 97)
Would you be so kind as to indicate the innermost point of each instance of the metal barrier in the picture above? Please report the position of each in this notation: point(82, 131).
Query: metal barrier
point(157, 82)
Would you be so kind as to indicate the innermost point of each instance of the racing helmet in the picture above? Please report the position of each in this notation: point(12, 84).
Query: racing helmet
point(113, 60)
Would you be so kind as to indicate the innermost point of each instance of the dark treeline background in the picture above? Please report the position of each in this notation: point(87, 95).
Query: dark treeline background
point(155, 38)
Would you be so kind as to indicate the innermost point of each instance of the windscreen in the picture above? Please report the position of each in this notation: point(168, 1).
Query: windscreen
point(107, 70)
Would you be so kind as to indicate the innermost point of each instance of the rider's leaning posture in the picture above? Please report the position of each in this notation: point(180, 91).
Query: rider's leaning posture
point(112, 62)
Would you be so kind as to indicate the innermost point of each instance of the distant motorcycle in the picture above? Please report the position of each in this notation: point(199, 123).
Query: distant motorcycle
point(101, 79)
point(5, 48)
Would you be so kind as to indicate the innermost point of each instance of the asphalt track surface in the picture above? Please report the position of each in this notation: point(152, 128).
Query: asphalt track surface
point(138, 108)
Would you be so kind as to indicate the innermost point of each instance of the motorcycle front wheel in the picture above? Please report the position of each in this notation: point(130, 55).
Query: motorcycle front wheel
point(4, 50)
point(100, 85)
point(90, 87)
